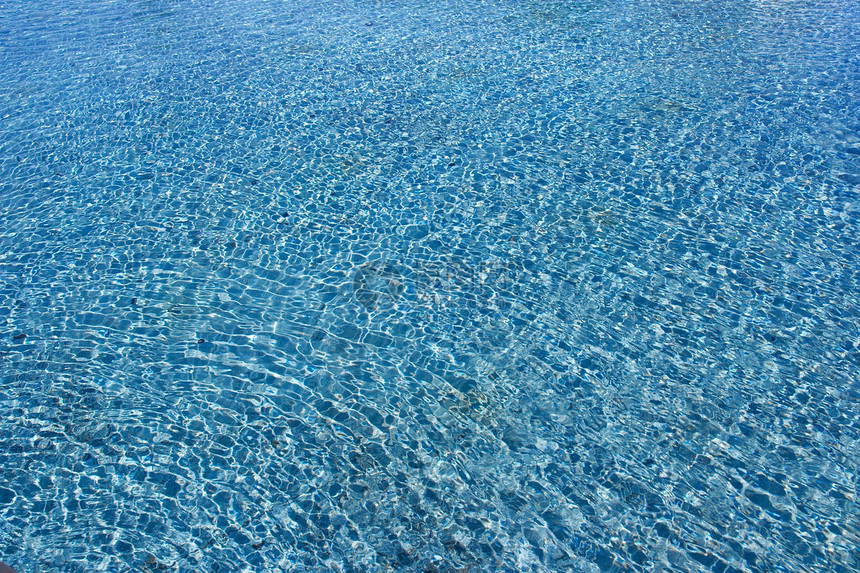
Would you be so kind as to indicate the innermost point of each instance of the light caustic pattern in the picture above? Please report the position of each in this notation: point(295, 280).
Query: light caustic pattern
point(407, 286)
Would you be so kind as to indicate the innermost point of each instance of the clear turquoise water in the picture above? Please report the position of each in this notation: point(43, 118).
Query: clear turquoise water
point(451, 286)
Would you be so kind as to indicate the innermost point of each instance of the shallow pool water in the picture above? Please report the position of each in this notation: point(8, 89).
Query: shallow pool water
point(366, 286)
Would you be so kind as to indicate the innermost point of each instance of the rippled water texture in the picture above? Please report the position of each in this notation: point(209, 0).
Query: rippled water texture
point(436, 286)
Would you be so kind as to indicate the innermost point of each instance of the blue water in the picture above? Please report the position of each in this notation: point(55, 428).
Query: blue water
point(429, 286)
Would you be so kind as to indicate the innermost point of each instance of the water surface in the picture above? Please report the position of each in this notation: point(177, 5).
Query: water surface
point(452, 286)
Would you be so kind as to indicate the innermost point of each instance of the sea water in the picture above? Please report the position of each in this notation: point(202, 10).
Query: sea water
point(366, 286)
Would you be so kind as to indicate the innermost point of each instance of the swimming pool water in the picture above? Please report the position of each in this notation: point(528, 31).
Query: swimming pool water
point(438, 286)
